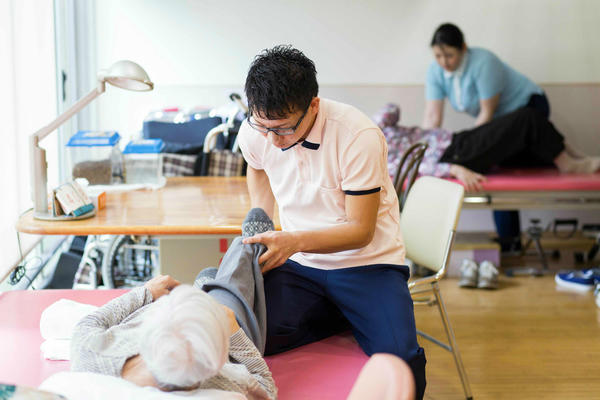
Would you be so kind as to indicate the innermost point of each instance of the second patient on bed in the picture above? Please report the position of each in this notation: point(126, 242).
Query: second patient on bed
point(521, 138)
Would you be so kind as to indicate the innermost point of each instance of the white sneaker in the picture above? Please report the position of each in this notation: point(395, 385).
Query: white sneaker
point(488, 275)
point(468, 274)
point(597, 293)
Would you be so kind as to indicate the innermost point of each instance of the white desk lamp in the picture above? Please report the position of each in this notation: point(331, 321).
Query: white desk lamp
point(124, 74)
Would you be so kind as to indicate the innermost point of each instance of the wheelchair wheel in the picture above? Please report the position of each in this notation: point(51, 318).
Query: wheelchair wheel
point(129, 261)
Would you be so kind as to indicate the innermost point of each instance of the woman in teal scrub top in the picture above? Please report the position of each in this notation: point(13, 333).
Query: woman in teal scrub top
point(477, 82)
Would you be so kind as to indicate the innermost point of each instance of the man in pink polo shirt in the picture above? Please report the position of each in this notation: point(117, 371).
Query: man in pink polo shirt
point(338, 261)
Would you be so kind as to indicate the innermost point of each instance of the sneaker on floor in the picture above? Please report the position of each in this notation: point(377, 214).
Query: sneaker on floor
point(582, 281)
point(488, 275)
point(597, 293)
point(468, 274)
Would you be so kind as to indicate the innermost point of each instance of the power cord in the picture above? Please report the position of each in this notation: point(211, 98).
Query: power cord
point(20, 270)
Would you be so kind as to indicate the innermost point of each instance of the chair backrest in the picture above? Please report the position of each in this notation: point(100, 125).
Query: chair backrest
point(407, 171)
point(428, 221)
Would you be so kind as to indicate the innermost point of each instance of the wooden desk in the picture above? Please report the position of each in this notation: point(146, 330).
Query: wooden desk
point(185, 206)
point(194, 218)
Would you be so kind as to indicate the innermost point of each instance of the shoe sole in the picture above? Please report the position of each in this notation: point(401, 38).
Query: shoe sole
point(467, 284)
point(487, 285)
point(580, 287)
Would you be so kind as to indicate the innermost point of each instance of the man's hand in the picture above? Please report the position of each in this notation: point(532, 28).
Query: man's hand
point(280, 246)
point(161, 285)
point(471, 179)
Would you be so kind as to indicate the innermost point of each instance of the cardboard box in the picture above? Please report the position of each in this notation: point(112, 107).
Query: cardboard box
point(477, 246)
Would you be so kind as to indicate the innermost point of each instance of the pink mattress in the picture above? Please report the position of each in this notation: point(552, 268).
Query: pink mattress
point(542, 179)
point(323, 370)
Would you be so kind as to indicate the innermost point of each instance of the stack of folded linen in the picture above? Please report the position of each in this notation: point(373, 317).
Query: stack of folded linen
point(56, 326)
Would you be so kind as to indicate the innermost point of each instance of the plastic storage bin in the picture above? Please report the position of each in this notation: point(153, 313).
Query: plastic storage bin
point(95, 155)
point(143, 161)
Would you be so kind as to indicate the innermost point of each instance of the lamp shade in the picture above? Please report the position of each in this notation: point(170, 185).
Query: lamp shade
point(128, 75)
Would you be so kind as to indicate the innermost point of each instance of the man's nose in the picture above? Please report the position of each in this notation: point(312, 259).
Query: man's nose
point(273, 138)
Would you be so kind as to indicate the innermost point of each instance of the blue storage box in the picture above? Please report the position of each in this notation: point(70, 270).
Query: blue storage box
point(95, 156)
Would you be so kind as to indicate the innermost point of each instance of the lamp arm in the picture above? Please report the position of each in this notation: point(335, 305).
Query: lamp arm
point(74, 109)
point(39, 166)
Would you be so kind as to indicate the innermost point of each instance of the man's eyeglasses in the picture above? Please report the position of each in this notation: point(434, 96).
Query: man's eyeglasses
point(276, 131)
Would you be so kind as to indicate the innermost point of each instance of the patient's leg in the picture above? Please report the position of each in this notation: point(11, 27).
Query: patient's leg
point(501, 139)
point(238, 283)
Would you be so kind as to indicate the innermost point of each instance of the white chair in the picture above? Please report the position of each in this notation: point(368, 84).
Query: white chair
point(428, 223)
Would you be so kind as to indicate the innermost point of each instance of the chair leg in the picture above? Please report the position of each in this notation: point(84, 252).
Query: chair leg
point(452, 341)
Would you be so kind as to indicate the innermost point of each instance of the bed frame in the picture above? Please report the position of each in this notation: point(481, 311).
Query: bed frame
point(518, 189)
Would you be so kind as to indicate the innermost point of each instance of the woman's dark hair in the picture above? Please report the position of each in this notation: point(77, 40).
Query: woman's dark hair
point(281, 81)
point(448, 35)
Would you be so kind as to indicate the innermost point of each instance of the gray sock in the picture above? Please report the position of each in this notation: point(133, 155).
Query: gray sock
point(206, 275)
point(257, 221)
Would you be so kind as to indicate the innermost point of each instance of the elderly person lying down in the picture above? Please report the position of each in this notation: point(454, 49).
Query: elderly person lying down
point(173, 337)
point(522, 137)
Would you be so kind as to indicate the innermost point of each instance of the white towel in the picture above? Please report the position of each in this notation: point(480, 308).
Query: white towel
point(56, 349)
point(90, 386)
point(56, 326)
point(59, 318)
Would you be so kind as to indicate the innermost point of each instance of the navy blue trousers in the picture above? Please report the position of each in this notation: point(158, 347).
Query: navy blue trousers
point(308, 304)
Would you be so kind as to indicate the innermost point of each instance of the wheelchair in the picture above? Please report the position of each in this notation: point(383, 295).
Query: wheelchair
point(130, 260)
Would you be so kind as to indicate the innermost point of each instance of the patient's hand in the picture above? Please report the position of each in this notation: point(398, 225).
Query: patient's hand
point(161, 285)
point(471, 179)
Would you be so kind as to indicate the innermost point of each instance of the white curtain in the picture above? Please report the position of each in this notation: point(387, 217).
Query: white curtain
point(27, 102)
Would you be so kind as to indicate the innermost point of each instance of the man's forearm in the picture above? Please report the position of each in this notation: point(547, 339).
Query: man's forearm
point(260, 192)
point(348, 236)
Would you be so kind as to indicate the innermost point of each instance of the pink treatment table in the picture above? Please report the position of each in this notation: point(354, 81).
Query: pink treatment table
point(540, 188)
point(324, 370)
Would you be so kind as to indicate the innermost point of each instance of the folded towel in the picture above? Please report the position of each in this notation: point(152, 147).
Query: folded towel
point(59, 318)
point(56, 349)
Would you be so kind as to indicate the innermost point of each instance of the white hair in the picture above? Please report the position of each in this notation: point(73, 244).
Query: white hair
point(185, 337)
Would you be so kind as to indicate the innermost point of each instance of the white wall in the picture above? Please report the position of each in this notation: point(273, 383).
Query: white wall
point(192, 47)
point(211, 42)
point(366, 52)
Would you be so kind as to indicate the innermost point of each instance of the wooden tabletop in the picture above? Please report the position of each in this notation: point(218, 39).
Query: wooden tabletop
point(185, 206)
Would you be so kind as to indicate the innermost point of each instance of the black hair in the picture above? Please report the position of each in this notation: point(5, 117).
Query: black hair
point(448, 35)
point(281, 81)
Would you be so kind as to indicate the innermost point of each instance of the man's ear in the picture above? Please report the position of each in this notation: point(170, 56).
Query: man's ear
point(314, 104)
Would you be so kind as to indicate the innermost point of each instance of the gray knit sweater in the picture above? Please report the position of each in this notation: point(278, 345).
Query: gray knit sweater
point(106, 338)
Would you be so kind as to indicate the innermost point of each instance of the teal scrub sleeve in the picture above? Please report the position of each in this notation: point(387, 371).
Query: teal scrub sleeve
point(434, 88)
point(490, 77)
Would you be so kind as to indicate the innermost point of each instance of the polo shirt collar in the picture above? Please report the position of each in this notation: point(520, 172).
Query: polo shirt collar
point(313, 140)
